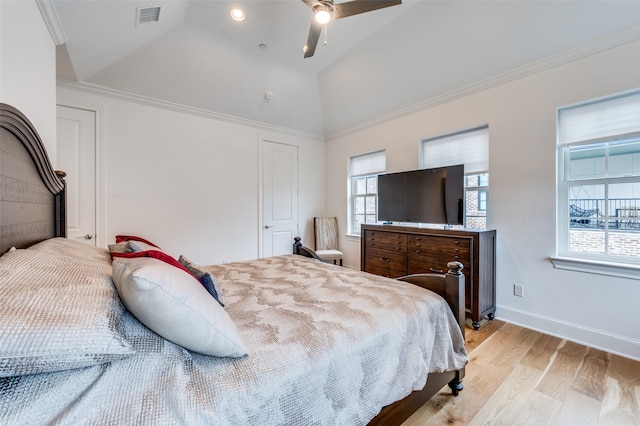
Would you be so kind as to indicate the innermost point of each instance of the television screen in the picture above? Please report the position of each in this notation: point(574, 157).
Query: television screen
point(422, 196)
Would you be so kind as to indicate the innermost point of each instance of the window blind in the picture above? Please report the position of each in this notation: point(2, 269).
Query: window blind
point(614, 116)
point(368, 164)
point(470, 148)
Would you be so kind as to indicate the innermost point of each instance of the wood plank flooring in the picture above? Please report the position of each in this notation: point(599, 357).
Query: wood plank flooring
point(518, 376)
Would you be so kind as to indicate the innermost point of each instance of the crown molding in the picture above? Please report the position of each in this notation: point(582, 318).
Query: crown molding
point(51, 19)
point(604, 43)
point(173, 106)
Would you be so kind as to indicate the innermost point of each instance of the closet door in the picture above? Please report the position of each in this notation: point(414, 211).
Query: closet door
point(279, 198)
point(76, 156)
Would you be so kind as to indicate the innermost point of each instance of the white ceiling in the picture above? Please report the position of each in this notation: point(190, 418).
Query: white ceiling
point(374, 65)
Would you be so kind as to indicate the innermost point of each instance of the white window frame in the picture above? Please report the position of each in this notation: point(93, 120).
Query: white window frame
point(592, 128)
point(362, 166)
point(469, 147)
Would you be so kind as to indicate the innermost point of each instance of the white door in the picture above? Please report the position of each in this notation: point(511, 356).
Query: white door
point(76, 155)
point(279, 198)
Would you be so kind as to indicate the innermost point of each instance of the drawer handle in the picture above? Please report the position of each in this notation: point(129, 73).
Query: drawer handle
point(418, 238)
point(418, 245)
point(398, 248)
point(456, 257)
point(438, 271)
point(418, 251)
point(456, 242)
point(456, 249)
point(385, 259)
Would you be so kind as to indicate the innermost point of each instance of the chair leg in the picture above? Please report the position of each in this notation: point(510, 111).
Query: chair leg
point(340, 262)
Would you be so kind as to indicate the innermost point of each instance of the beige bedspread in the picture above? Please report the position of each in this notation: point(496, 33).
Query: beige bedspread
point(327, 346)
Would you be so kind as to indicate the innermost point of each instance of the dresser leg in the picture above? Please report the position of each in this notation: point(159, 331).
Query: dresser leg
point(476, 325)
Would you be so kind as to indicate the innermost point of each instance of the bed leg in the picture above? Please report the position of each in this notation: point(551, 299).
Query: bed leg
point(456, 384)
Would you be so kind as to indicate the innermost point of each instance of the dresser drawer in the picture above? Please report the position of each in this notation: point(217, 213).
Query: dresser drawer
point(427, 265)
point(388, 241)
point(386, 261)
point(385, 271)
point(461, 256)
point(440, 247)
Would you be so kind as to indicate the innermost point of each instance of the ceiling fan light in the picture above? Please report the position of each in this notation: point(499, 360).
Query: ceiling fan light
point(322, 16)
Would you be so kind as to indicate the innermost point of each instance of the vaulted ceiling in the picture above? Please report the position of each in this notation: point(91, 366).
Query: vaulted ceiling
point(374, 65)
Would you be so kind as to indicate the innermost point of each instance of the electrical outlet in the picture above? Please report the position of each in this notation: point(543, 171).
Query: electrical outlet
point(518, 290)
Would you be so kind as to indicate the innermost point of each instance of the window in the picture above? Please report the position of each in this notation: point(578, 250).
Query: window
point(471, 148)
point(363, 188)
point(599, 179)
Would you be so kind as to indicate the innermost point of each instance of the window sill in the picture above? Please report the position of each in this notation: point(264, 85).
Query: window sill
point(622, 270)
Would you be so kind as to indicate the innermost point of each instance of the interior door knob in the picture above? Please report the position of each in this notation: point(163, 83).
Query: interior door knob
point(268, 226)
point(86, 237)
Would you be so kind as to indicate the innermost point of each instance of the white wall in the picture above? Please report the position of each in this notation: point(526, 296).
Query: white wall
point(190, 183)
point(597, 310)
point(28, 67)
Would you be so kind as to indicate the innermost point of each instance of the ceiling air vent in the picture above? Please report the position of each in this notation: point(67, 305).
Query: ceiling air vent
point(145, 15)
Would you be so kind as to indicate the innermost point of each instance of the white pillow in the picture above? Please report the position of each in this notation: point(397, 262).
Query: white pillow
point(175, 305)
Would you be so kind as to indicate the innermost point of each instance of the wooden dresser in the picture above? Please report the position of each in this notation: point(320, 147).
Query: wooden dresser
point(394, 251)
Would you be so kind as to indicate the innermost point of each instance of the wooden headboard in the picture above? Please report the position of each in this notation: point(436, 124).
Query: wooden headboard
point(32, 197)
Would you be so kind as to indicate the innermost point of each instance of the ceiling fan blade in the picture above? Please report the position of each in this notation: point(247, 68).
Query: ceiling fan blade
point(355, 7)
point(312, 40)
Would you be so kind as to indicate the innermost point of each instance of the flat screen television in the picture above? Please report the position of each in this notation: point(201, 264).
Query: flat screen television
point(422, 196)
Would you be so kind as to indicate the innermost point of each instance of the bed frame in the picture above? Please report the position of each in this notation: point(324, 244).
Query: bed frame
point(451, 288)
point(32, 209)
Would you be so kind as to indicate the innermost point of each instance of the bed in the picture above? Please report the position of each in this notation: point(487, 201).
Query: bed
point(297, 342)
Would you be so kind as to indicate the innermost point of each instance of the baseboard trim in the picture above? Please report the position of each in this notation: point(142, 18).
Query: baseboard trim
point(598, 339)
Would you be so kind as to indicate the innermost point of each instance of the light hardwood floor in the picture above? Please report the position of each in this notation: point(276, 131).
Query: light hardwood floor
point(518, 376)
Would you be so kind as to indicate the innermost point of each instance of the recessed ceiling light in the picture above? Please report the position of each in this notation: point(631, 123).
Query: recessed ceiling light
point(237, 14)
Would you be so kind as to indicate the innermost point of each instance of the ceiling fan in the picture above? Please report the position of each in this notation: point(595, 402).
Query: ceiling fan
point(325, 11)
